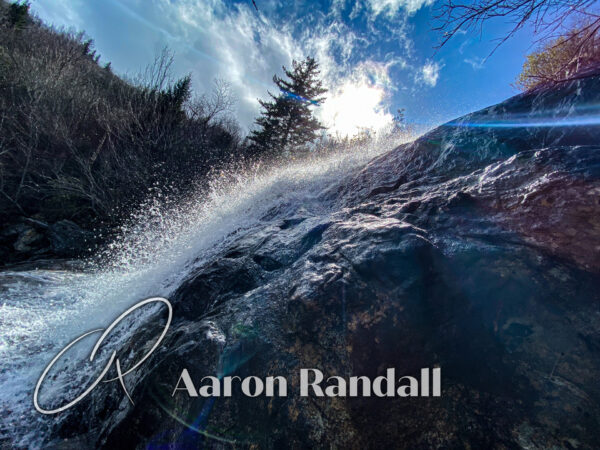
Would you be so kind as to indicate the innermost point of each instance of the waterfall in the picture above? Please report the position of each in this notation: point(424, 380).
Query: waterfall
point(41, 310)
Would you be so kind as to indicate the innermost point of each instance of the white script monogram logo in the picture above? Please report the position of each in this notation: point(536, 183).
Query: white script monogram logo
point(113, 357)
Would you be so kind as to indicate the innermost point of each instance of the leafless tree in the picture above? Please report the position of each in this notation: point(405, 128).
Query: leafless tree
point(218, 102)
point(77, 141)
point(549, 18)
point(159, 73)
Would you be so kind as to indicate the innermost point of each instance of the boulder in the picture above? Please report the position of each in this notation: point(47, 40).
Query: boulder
point(68, 239)
point(474, 249)
point(28, 239)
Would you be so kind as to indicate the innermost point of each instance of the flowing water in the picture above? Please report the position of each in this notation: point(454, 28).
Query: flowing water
point(472, 192)
point(42, 310)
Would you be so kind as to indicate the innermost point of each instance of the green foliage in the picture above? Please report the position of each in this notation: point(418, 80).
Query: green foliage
point(287, 122)
point(18, 14)
point(561, 59)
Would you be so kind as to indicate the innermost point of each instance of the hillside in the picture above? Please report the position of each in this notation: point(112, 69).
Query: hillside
point(80, 143)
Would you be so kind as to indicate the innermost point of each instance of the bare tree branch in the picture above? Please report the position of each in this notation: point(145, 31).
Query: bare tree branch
point(545, 16)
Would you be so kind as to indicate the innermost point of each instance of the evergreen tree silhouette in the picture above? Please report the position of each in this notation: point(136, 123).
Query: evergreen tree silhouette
point(287, 122)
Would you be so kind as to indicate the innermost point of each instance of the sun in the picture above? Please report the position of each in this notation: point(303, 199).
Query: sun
point(353, 107)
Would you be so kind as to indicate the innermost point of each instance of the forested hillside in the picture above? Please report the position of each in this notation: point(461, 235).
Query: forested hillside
point(79, 142)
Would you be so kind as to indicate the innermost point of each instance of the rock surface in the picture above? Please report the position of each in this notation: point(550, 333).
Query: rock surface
point(68, 239)
point(476, 249)
point(29, 240)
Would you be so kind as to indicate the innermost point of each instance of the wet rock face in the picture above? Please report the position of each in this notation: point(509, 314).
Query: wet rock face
point(475, 249)
point(31, 239)
point(68, 239)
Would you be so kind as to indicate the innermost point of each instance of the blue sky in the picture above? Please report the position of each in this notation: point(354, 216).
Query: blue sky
point(376, 55)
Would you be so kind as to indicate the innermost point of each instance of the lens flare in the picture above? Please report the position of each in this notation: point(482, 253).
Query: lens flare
point(299, 98)
point(580, 117)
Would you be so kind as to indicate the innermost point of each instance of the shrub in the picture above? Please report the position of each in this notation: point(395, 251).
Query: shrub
point(561, 59)
point(79, 142)
point(18, 14)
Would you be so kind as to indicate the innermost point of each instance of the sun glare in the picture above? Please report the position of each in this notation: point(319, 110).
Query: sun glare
point(354, 107)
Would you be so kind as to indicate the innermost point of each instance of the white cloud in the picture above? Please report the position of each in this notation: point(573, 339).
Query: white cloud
point(251, 48)
point(429, 73)
point(475, 62)
point(216, 39)
point(391, 7)
point(212, 40)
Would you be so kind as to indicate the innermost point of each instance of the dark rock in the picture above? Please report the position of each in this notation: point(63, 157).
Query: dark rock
point(69, 239)
point(474, 248)
point(27, 240)
point(13, 230)
point(31, 239)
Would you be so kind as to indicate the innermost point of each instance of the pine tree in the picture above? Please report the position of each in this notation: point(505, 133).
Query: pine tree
point(18, 14)
point(287, 122)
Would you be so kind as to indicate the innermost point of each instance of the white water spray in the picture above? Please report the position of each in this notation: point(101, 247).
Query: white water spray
point(42, 310)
